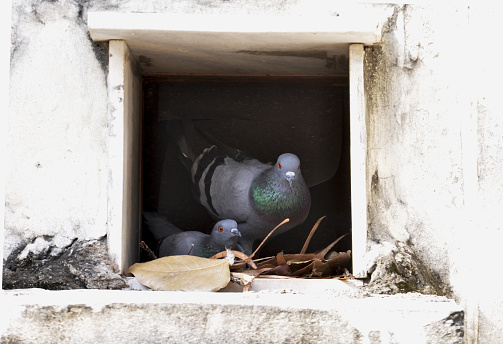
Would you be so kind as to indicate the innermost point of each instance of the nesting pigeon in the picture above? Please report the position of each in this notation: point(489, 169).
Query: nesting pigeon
point(174, 241)
point(224, 235)
point(231, 184)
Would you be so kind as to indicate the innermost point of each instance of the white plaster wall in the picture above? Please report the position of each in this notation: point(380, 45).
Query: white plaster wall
point(435, 142)
point(486, 227)
point(5, 9)
point(414, 130)
point(57, 143)
point(435, 137)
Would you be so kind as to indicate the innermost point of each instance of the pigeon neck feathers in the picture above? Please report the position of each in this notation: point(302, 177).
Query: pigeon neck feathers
point(280, 191)
point(224, 235)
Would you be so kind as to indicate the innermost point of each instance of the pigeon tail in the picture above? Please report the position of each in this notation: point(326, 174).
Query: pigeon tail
point(159, 226)
point(181, 131)
point(193, 141)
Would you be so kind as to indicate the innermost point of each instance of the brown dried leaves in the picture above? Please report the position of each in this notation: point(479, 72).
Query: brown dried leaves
point(305, 265)
point(190, 273)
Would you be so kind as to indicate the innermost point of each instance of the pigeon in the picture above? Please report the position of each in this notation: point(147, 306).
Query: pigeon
point(231, 184)
point(224, 235)
point(174, 241)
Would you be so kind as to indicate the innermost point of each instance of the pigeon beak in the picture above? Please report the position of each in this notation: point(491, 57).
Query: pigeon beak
point(290, 176)
point(235, 231)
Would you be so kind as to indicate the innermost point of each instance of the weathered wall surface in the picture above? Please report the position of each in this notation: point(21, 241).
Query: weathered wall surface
point(57, 137)
point(77, 316)
point(434, 132)
point(57, 184)
point(434, 154)
point(415, 149)
point(484, 232)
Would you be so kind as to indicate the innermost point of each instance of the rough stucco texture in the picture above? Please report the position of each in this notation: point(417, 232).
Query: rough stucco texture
point(81, 265)
point(57, 145)
point(486, 226)
point(272, 317)
point(415, 150)
point(434, 150)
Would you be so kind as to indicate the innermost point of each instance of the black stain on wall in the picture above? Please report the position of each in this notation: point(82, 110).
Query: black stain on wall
point(145, 61)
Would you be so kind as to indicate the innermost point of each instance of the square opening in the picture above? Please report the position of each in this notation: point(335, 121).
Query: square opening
point(152, 52)
point(264, 116)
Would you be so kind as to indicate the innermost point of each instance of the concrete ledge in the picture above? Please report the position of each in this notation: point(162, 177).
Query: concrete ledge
point(366, 28)
point(300, 286)
point(235, 43)
point(106, 316)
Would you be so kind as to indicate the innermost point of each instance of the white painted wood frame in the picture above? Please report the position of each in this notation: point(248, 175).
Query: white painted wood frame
point(124, 130)
point(358, 153)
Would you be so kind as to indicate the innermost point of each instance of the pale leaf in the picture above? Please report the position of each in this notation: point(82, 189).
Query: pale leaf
point(242, 278)
point(186, 273)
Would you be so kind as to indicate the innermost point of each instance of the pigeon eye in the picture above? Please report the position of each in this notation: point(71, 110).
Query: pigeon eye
point(298, 167)
point(220, 229)
point(279, 164)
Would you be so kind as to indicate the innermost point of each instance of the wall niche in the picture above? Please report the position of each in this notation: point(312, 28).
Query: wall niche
point(264, 116)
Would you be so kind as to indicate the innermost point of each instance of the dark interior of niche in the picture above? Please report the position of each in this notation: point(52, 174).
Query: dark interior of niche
point(264, 116)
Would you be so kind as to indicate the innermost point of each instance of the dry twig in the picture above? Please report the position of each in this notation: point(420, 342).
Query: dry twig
point(306, 244)
point(151, 255)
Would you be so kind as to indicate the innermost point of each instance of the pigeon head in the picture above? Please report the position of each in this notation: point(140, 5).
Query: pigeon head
point(288, 166)
point(226, 232)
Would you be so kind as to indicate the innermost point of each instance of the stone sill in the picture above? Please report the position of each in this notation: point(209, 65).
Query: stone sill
point(284, 284)
point(103, 316)
point(299, 285)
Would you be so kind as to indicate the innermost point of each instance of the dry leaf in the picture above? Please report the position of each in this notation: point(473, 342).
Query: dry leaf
point(335, 264)
point(237, 254)
point(307, 264)
point(242, 279)
point(281, 258)
point(186, 273)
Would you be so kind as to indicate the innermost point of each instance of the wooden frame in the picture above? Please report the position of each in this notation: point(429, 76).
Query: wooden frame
point(358, 134)
point(124, 92)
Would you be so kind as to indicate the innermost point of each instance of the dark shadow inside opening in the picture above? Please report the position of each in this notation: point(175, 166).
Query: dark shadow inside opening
point(308, 116)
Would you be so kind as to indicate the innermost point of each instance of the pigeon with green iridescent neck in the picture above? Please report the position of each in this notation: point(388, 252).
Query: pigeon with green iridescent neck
point(224, 235)
point(231, 184)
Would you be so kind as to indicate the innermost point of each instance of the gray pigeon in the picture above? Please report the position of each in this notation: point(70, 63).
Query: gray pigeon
point(224, 235)
point(231, 184)
point(174, 241)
